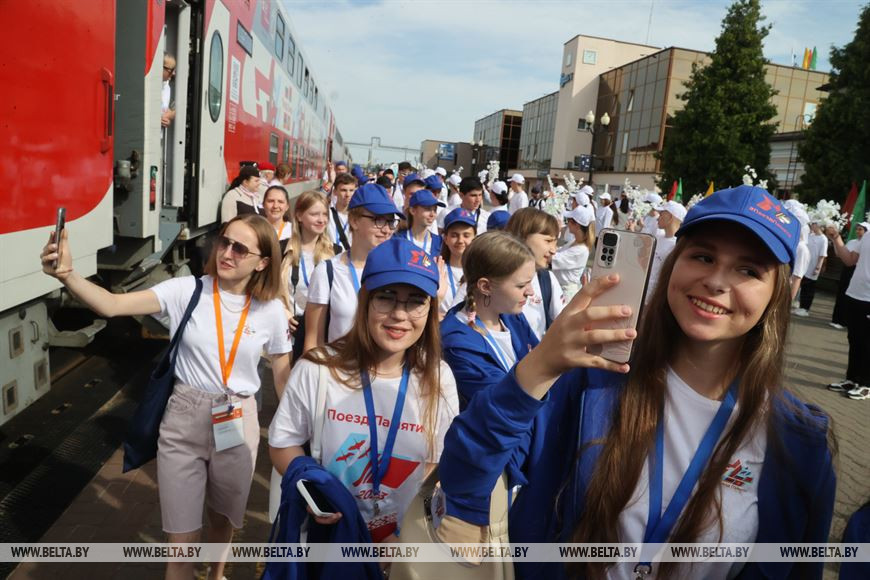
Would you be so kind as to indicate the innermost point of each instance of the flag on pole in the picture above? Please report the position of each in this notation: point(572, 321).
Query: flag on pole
point(813, 59)
point(858, 212)
point(851, 199)
point(673, 191)
point(709, 190)
point(679, 196)
point(807, 56)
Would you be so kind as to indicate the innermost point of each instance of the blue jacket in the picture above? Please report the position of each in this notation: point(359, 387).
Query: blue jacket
point(536, 442)
point(350, 529)
point(471, 358)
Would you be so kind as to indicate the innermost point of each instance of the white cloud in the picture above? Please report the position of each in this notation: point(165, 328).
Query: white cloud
point(408, 71)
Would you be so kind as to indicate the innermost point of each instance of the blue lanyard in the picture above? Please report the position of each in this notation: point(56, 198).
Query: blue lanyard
point(353, 277)
point(338, 224)
point(450, 279)
point(302, 267)
point(499, 353)
point(658, 525)
point(427, 241)
point(381, 465)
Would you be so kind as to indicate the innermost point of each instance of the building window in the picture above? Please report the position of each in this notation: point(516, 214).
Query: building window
point(590, 56)
point(625, 142)
point(569, 58)
point(286, 156)
point(582, 125)
point(630, 101)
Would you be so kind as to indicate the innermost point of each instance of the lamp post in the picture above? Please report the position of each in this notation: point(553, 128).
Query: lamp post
point(590, 123)
point(475, 151)
point(799, 125)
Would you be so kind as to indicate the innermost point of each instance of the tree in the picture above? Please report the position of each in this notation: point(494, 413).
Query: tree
point(725, 124)
point(835, 151)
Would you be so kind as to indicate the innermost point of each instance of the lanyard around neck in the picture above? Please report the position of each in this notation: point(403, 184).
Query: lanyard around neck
point(302, 267)
point(427, 240)
point(499, 353)
point(227, 363)
point(353, 275)
point(450, 279)
point(380, 465)
point(658, 525)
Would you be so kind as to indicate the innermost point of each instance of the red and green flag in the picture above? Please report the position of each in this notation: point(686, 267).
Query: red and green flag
point(858, 212)
point(679, 195)
point(673, 191)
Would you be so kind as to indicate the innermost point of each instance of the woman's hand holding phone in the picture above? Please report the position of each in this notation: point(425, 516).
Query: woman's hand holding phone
point(324, 520)
point(59, 253)
point(564, 346)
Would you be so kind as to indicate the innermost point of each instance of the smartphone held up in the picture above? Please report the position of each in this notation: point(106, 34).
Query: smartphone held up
point(59, 225)
point(629, 254)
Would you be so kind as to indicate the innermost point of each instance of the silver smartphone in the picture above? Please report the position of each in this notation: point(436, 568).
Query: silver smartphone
point(630, 255)
point(59, 224)
point(315, 499)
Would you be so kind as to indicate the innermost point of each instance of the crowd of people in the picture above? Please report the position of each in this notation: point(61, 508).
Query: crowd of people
point(413, 334)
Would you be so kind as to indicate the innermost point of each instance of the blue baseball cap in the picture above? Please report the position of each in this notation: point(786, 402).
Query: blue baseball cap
point(342, 163)
point(374, 198)
point(497, 220)
point(360, 175)
point(411, 178)
point(755, 209)
point(433, 182)
point(425, 198)
point(398, 261)
point(459, 216)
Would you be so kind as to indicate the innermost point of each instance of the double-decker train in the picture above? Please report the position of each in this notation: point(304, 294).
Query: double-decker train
point(83, 91)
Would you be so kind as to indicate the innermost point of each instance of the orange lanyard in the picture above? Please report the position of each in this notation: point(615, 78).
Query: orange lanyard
point(227, 365)
point(283, 225)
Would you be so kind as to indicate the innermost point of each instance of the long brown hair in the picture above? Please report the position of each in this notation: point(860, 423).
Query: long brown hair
point(264, 285)
point(357, 350)
point(626, 447)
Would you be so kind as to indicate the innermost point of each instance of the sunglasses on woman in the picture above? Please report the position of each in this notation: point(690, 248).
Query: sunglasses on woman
point(240, 251)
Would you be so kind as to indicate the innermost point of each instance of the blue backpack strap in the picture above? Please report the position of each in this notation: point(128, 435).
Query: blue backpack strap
point(330, 277)
point(194, 300)
point(546, 294)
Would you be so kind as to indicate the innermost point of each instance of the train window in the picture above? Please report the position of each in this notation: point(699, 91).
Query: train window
point(279, 37)
point(291, 54)
point(295, 159)
point(215, 77)
point(244, 38)
point(299, 72)
point(285, 158)
point(315, 98)
point(273, 149)
point(305, 84)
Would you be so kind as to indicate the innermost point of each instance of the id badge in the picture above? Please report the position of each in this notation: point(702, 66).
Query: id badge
point(226, 422)
point(438, 506)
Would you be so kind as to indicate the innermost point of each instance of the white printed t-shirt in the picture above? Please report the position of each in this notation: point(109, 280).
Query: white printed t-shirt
point(342, 300)
point(569, 263)
point(452, 298)
point(534, 307)
point(859, 287)
point(687, 416)
point(198, 365)
point(818, 245)
point(345, 450)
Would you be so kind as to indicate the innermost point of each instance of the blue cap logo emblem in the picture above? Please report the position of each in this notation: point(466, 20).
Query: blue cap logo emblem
point(419, 257)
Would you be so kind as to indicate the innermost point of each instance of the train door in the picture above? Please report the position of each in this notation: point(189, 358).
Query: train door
point(209, 182)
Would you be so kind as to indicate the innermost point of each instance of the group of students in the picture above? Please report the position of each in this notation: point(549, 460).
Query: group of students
point(417, 344)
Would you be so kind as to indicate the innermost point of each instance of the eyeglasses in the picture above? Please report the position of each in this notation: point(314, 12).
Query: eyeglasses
point(381, 221)
point(240, 251)
point(386, 302)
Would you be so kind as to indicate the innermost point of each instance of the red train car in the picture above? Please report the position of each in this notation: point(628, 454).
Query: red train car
point(82, 120)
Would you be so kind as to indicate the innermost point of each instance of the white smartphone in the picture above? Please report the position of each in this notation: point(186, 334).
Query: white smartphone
point(630, 255)
point(59, 224)
point(314, 498)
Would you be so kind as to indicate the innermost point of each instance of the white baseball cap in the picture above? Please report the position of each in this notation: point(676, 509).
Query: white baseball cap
point(518, 178)
point(580, 214)
point(581, 198)
point(587, 189)
point(498, 187)
point(604, 195)
point(653, 198)
point(674, 208)
point(865, 225)
point(454, 179)
point(441, 171)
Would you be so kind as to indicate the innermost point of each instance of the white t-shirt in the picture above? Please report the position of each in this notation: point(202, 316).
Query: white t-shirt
point(333, 232)
point(452, 298)
point(519, 200)
point(399, 198)
point(818, 245)
point(651, 226)
point(687, 416)
point(165, 96)
point(300, 293)
point(285, 231)
point(534, 308)
point(569, 263)
point(603, 217)
point(501, 337)
point(482, 218)
point(344, 300)
point(801, 260)
point(859, 287)
point(664, 247)
point(345, 450)
point(198, 364)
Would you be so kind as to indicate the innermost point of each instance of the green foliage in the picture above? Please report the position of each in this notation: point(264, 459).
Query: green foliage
point(725, 124)
point(835, 152)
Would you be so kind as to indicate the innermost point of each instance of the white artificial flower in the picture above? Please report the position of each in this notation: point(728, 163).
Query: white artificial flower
point(695, 199)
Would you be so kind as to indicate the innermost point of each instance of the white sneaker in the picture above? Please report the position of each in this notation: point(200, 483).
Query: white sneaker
point(842, 386)
point(859, 393)
point(802, 312)
point(835, 325)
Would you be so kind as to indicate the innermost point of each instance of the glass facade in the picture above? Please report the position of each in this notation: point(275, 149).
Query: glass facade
point(642, 97)
point(539, 127)
point(500, 133)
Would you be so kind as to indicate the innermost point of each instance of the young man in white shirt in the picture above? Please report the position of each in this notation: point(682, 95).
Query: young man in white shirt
point(519, 198)
point(604, 214)
point(818, 245)
point(339, 230)
point(471, 191)
point(671, 216)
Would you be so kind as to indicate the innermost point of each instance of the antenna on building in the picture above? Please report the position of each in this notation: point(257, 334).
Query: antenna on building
point(652, 4)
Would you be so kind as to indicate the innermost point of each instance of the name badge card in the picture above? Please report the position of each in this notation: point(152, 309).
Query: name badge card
point(226, 422)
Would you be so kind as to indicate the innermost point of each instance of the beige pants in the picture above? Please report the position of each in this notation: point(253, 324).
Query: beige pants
point(190, 471)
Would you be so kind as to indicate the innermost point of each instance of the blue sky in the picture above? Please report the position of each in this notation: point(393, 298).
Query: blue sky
point(411, 70)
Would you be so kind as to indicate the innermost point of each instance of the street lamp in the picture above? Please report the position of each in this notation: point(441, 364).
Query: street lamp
point(475, 151)
point(590, 122)
point(802, 120)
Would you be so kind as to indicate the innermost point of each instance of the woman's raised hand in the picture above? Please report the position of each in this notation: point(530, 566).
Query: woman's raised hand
point(442, 275)
point(50, 253)
point(564, 346)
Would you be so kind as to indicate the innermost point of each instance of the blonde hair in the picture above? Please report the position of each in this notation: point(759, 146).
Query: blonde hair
point(529, 220)
point(323, 249)
point(493, 255)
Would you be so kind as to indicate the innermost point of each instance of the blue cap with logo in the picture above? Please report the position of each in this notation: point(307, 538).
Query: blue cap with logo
point(398, 261)
point(411, 178)
point(754, 208)
point(360, 175)
point(497, 220)
point(459, 216)
point(424, 198)
point(374, 198)
point(433, 182)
